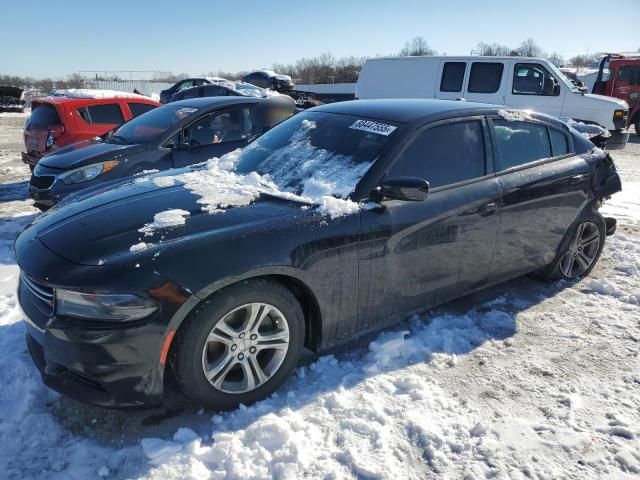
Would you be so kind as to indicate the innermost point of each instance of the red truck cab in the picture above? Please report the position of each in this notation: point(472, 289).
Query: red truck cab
point(75, 115)
point(622, 81)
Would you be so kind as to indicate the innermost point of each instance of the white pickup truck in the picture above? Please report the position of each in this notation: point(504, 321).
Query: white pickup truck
point(518, 82)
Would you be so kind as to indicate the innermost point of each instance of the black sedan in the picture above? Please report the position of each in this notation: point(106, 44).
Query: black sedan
point(172, 136)
point(338, 221)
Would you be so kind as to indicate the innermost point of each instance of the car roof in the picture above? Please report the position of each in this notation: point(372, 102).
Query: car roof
point(58, 100)
point(204, 102)
point(403, 110)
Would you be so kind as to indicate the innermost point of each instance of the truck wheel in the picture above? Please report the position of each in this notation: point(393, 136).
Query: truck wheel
point(580, 250)
point(240, 345)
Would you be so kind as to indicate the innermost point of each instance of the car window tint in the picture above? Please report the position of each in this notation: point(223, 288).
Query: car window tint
point(109, 113)
point(452, 76)
point(521, 142)
point(559, 144)
point(214, 91)
point(532, 79)
point(43, 116)
point(485, 77)
point(138, 109)
point(229, 126)
point(443, 155)
point(190, 93)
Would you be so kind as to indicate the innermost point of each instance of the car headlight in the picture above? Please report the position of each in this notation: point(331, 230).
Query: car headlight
point(88, 172)
point(97, 306)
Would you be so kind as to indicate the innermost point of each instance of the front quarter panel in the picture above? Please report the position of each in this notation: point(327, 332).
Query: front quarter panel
point(316, 250)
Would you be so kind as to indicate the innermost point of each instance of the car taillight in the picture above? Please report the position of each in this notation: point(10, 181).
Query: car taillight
point(55, 132)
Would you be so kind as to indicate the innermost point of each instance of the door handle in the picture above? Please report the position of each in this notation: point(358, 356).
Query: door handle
point(576, 179)
point(488, 208)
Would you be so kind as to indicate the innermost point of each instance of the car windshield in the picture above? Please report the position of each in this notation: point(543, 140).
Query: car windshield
point(151, 125)
point(317, 153)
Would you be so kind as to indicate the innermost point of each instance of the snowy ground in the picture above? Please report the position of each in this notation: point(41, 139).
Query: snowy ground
point(525, 380)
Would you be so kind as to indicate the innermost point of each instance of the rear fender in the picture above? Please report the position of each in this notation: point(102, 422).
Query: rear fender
point(606, 180)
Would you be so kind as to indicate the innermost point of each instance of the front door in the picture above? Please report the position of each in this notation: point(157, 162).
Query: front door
point(414, 255)
point(532, 86)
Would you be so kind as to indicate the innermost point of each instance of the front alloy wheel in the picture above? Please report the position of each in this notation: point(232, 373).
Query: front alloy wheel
point(245, 348)
point(239, 345)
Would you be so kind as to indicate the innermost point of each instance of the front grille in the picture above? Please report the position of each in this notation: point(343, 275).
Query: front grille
point(43, 182)
point(41, 292)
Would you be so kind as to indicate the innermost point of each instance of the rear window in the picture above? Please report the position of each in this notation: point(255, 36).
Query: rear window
point(138, 109)
point(108, 114)
point(485, 77)
point(44, 116)
point(521, 142)
point(452, 76)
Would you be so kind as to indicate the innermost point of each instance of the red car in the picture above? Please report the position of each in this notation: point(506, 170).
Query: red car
point(76, 115)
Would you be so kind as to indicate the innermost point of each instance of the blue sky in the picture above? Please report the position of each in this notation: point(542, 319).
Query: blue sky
point(56, 39)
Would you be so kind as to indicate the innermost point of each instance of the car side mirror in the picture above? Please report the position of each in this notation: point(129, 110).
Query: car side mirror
point(556, 89)
point(410, 189)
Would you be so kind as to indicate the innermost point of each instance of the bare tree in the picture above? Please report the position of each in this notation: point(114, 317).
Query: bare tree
point(529, 48)
point(417, 46)
point(493, 50)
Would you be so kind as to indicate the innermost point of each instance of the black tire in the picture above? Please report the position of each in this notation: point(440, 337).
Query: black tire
point(187, 357)
point(556, 270)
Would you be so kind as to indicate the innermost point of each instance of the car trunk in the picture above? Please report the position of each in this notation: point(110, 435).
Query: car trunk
point(45, 121)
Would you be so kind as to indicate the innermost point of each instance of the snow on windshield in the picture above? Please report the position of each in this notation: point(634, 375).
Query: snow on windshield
point(297, 171)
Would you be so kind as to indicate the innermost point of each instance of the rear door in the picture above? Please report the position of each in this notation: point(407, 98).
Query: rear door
point(545, 187)
point(531, 86)
point(487, 82)
point(214, 134)
point(417, 254)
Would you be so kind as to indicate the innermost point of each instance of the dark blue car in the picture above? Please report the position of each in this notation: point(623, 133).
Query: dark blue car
point(173, 136)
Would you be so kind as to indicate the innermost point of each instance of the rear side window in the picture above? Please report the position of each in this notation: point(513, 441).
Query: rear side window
point(485, 77)
point(452, 76)
point(138, 109)
point(444, 155)
point(43, 116)
point(520, 143)
point(559, 145)
point(108, 113)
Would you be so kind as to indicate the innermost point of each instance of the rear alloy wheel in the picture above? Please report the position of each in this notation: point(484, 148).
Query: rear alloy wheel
point(582, 252)
point(239, 345)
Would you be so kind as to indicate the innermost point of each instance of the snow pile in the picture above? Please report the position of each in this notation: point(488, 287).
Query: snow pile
point(90, 93)
point(138, 247)
point(322, 178)
point(169, 218)
point(515, 115)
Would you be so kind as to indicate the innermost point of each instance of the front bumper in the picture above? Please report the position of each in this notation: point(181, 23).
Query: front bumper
point(115, 369)
point(618, 139)
point(31, 159)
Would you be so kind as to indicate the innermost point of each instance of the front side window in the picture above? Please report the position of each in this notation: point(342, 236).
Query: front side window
point(109, 114)
point(185, 84)
point(532, 79)
point(444, 155)
point(485, 77)
point(629, 74)
point(452, 76)
point(221, 127)
point(520, 143)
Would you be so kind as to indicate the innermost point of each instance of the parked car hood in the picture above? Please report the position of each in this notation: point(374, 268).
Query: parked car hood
point(101, 229)
point(608, 100)
point(7, 91)
point(87, 152)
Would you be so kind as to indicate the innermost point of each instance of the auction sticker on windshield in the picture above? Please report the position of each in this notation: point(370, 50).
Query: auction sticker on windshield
point(373, 127)
point(183, 112)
